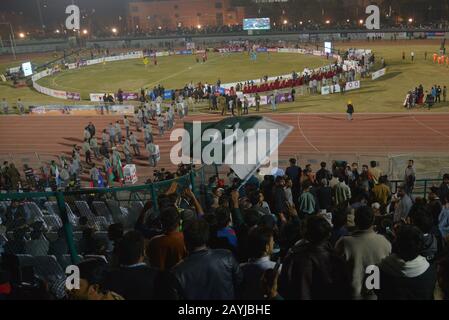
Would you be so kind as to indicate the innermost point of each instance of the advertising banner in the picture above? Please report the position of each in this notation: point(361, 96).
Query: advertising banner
point(336, 88)
point(129, 96)
point(379, 73)
point(73, 96)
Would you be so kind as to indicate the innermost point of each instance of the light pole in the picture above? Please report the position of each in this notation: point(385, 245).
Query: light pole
point(12, 39)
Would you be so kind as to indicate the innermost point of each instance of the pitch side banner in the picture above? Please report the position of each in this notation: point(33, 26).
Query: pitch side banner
point(378, 74)
point(336, 88)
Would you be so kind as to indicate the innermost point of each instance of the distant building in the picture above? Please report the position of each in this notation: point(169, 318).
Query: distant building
point(152, 14)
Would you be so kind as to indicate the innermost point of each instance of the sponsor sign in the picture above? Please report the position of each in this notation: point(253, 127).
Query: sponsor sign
point(73, 96)
point(336, 88)
point(379, 73)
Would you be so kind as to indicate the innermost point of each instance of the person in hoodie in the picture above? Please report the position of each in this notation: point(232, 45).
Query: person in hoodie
point(405, 274)
point(423, 221)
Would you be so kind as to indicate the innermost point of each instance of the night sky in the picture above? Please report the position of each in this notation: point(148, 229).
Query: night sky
point(53, 11)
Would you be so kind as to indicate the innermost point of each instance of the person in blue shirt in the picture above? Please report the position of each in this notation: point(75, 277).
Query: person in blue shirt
point(224, 229)
point(443, 221)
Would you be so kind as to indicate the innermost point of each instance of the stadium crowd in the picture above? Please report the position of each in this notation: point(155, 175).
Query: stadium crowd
point(295, 234)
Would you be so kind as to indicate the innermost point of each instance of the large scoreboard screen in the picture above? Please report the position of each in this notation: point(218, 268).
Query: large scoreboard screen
point(256, 24)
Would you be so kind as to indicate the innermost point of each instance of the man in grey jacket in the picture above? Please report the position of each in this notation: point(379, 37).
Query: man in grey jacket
point(362, 249)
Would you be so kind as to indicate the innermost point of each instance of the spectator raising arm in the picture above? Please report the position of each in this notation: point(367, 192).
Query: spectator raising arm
point(196, 203)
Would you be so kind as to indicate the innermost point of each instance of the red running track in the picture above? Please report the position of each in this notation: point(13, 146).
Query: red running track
point(313, 133)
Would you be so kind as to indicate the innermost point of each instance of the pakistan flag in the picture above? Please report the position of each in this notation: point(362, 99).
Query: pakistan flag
point(242, 143)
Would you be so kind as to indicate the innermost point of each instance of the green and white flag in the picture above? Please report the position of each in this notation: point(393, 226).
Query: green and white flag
point(242, 143)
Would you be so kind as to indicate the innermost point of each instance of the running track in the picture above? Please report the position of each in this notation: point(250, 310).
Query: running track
point(313, 133)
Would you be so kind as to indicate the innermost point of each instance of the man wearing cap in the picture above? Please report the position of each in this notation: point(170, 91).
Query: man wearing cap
point(350, 110)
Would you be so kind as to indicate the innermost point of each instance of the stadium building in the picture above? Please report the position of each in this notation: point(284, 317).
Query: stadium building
point(151, 15)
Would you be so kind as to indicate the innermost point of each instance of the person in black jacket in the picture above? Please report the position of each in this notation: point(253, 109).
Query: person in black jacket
point(323, 173)
point(324, 196)
point(133, 280)
point(279, 198)
point(406, 275)
point(205, 274)
point(312, 270)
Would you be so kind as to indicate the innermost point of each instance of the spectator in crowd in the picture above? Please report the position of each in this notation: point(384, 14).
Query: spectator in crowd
point(443, 275)
point(424, 222)
point(261, 242)
point(91, 272)
point(133, 280)
point(312, 270)
point(406, 275)
point(410, 177)
point(342, 192)
point(443, 222)
point(205, 274)
point(307, 203)
point(362, 249)
point(165, 251)
point(443, 193)
point(324, 196)
point(403, 204)
point(323, 173)
point(381, 192)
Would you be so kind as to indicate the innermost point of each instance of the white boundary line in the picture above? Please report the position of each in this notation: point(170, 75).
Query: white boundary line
point(305, 138)
point(427, 127)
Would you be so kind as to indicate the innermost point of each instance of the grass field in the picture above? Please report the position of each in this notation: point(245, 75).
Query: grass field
point(177, 71)
point(383, 95)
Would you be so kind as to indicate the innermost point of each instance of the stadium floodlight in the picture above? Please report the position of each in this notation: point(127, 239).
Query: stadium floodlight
point(21, 35)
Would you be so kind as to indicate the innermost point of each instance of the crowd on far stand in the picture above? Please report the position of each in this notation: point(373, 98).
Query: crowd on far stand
point(296, 234)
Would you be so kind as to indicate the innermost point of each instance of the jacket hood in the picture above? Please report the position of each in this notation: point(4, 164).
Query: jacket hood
point(395, 266)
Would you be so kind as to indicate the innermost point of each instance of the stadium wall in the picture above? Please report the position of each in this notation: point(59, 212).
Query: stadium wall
point(180, 40)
